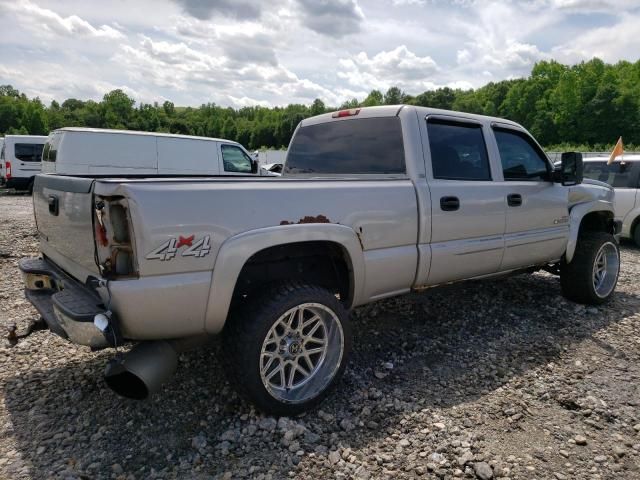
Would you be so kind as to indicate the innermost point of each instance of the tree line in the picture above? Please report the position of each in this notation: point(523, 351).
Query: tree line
point(589, 105)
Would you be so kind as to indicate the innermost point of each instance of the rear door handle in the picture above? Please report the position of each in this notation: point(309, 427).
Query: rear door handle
point(449, 204)
point(514, 199)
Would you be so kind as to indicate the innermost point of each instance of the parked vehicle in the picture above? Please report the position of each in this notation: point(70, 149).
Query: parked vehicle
point(2, 171)
point(273, 168)
point(99, 152)
point(373, 202)
point(624, 176)
point(21, 159)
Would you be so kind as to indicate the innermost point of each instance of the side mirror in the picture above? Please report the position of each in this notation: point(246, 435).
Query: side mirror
point(254, 166)
point(571, 168)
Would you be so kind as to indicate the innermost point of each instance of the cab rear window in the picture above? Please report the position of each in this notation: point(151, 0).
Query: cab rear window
point(358, 146)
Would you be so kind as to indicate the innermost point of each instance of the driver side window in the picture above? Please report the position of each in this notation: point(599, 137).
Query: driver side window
point(521, 158)
point(235, 160)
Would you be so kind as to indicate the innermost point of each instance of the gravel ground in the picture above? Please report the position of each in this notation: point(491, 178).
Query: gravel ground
point(494, 379)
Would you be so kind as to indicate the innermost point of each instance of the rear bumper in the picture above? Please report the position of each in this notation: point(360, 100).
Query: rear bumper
point(18, 183)
point(67, 306)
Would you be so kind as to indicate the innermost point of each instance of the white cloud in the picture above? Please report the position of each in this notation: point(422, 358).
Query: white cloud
point(619, 41)
point(590, 6)
point(461, 84)
point(399, 67)
point(515, 55)
point(292, 51)
point(41, 20)
point(334, 18)
point(205, 9)
point(399, 3)
point(463, 56)
point(248, 102)
point(59, 84)
point(177, 54)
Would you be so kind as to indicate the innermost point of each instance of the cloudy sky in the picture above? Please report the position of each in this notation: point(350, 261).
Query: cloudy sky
point(248, 52)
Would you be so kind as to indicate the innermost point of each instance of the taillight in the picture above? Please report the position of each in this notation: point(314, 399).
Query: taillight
point(114, 248)
point(8, 169)
point(346, 113)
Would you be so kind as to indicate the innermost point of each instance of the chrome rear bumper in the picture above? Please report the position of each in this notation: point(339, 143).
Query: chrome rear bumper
point(67, 306)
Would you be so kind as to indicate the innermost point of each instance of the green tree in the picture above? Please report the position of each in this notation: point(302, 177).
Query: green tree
point(118, 109)
point(353, 103)
point(374, 98)
point(317, 107)
point(394, 96)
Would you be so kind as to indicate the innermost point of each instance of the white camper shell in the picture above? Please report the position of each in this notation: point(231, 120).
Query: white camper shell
point(21, 160)
point(101, 152)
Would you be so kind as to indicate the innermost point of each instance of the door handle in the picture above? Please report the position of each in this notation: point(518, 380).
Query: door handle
point(514, 199)
point(53, 205)
point(449, 204)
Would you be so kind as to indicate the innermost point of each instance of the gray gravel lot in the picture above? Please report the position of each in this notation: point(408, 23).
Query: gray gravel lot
point(495, 379)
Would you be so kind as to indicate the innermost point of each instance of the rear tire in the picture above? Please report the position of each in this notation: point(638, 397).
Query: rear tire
point(636, 234)
point(287, 348)
point(592, 275)
point(30, 187)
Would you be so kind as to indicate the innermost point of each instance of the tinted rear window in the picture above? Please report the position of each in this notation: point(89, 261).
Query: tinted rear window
point(458, 151)
point(367, 145)
point(617, 174)
point(29, 152)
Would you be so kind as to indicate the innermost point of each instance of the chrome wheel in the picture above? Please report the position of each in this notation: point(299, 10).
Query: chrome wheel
point(301, 353)
point(605, 269)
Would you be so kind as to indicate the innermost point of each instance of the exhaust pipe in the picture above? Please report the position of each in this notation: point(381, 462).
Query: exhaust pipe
point(142, 371)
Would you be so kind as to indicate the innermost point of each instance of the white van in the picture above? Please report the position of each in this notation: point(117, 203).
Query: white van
point(624, 176)
point(21, 160)
point(99, 152)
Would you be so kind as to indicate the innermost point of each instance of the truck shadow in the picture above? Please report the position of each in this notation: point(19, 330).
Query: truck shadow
point(628, 245)
point(434, 349)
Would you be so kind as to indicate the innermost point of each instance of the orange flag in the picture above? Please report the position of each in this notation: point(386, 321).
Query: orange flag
point(617, 150)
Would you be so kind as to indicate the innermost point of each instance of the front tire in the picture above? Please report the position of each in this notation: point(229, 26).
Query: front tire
point(287, 348)
point(592, 275)
point(636, 235)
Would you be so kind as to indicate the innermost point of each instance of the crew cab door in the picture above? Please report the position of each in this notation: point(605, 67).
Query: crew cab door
point(537, 220)
point(468, 212)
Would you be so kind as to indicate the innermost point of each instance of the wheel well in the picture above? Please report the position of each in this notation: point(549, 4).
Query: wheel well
point(601, 221)
point(634, 225)
point(322, 263)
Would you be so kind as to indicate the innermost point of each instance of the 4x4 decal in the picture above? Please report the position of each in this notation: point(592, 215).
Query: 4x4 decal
point(169, 249)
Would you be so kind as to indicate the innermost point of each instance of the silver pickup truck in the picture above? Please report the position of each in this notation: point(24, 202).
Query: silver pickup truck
point(373, 202)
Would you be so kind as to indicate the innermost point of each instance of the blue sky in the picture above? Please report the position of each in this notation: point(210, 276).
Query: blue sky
point(251, 52)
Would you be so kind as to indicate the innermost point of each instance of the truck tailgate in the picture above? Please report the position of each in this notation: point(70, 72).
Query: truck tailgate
point(63, 208)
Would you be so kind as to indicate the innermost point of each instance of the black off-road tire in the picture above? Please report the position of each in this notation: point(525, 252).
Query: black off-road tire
point(576, 278)
point(636, 234)
point(246, 329)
